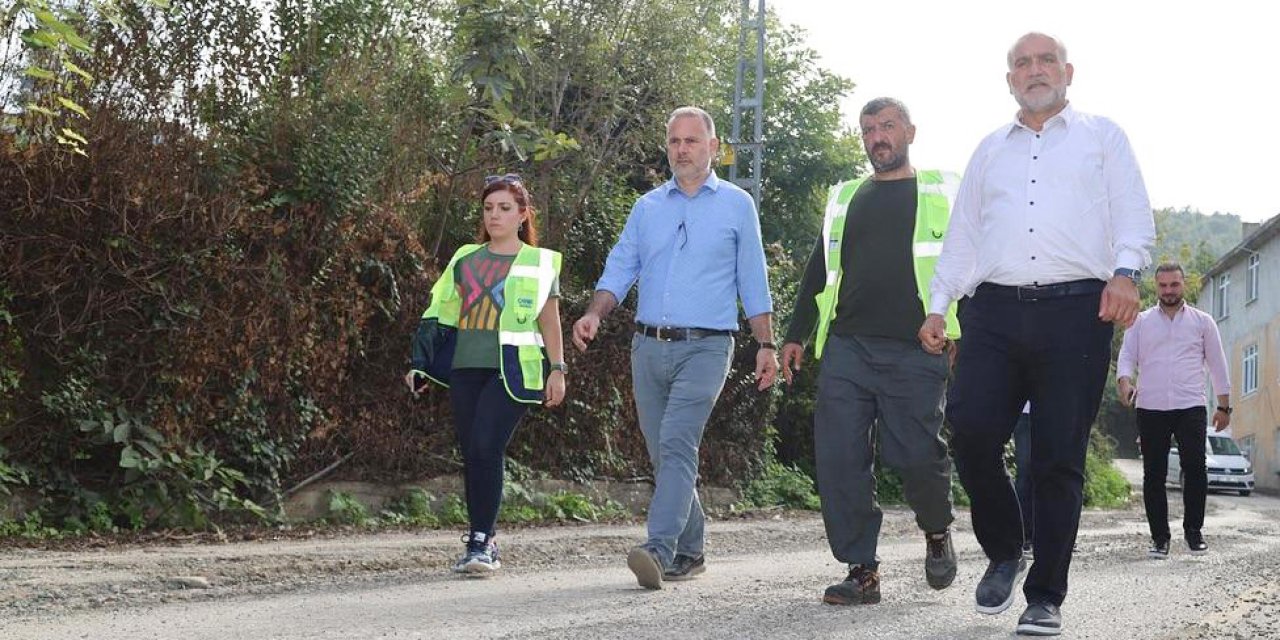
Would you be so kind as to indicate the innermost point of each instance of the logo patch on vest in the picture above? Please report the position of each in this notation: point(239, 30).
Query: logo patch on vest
point(524, 307)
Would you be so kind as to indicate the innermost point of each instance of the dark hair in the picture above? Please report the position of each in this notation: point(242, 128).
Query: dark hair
point(880, 104)
point(528, 229)
point(1166, 267)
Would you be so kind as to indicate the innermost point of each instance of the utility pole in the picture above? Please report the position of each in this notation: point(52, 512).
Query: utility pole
point(751, 107)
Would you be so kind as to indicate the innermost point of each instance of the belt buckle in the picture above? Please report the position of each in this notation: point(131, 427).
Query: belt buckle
point(1031, 290)
point(657, 334)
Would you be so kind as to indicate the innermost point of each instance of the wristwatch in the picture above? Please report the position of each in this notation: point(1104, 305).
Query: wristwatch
point(1133, 274)
point(1226, 410)
point(561, 367)
point(769, 345)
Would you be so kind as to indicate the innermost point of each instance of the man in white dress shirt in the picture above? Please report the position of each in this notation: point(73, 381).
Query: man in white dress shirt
point(1050, 230)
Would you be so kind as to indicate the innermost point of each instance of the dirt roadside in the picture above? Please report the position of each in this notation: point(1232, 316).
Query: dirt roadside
point(772, 565)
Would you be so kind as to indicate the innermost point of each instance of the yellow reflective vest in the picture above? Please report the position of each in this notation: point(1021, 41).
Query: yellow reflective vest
point(523, 364)
point(936, 192)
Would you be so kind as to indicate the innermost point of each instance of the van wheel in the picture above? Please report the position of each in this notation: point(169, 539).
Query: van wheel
point(1245, 493)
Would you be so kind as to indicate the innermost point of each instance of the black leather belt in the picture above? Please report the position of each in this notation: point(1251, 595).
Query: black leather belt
point(676, 334)
point(1034, 292)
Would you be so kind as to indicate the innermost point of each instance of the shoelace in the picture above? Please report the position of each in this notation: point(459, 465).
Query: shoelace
point(863, 576)
point(937, 545)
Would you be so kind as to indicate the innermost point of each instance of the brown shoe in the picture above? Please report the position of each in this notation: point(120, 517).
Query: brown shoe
point(862, 586)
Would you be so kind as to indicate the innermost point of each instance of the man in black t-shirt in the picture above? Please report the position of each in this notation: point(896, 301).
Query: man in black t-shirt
point(861, 296)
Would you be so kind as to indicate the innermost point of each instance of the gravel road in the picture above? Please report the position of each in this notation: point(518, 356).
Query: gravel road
point(765, 577)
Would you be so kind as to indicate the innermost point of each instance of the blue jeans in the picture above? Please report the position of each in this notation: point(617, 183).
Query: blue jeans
point(676, 387)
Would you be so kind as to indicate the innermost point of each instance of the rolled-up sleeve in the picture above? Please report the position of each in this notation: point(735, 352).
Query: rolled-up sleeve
point(753, 276)
point(622, 267)
point(1132, 224)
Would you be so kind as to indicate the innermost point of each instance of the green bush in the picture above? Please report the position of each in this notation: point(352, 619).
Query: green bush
point(412, 508)
point(452, 511)
point(781, 486)
point(566, 505)
point(1104, 486)
point(345, 508)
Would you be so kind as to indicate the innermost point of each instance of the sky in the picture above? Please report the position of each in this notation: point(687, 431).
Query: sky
point(1192, 83)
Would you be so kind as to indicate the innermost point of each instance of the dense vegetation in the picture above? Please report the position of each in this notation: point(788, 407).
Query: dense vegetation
point(208, 299)
point(220, 220)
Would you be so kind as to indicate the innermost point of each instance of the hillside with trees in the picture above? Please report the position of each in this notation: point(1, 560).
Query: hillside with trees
point(221, 220)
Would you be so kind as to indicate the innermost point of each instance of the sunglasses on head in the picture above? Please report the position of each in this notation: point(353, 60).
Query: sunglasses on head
point(510, 178)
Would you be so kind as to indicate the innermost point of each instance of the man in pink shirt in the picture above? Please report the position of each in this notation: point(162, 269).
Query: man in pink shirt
point(1172, 343)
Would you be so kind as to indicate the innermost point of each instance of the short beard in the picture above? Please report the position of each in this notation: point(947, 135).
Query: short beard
point(1173, 304)
point(1043, 101)
point(895, 162)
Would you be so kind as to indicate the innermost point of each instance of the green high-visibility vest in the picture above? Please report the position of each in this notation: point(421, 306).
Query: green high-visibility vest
point(523, 363)
point(936, 192)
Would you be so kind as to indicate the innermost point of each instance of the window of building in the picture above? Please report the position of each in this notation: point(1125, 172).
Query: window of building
point(1220, 308)
point(1246, 445)
point(1250, 382)
point(1251, 278)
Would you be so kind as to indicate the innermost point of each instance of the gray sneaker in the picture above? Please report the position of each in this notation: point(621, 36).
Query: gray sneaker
point(481, 558)
point(939, 559)
point(996, 589)
point(685, 567)
point(1040, 619)
point(644, 562)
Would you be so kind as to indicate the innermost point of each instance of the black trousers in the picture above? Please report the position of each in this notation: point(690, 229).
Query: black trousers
point(1055, 353)
point(484, 418)
point(1156, 428)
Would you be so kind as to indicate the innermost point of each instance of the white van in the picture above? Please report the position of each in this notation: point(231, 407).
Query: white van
point(1228, 467)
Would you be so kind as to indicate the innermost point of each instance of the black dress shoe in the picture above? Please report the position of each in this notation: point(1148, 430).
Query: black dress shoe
point(1196, 543)
point(1040, 619)
point(995, 591)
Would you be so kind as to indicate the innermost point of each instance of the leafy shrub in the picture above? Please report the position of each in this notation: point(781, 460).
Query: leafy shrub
point(781, 486)
point(1104, 486)
point(345, 508)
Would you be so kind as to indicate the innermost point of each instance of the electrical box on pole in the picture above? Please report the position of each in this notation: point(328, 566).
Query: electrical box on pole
point(747, 148)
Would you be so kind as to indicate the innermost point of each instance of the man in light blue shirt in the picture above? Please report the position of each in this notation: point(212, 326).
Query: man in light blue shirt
point(694, 246)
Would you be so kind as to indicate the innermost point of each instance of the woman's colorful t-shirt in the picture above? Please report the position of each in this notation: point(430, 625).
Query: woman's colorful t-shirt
point(480, 278)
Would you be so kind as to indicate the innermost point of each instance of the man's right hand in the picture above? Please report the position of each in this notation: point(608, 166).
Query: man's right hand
point(933, 333)
point(1124, 387)
point(792, 358)
point(584, 330)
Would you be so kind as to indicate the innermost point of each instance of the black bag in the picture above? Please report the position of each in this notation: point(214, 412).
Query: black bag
point(432, 349)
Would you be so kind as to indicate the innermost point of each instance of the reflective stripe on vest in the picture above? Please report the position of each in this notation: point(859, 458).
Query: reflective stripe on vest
point(936, 191)
point(525, 292)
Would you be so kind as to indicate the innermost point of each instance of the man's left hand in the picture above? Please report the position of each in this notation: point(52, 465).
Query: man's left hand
point(1119, 302)
point(1221, 420)
point(766, 368)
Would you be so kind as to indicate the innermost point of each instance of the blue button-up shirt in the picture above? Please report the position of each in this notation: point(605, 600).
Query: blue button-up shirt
point(694, 257)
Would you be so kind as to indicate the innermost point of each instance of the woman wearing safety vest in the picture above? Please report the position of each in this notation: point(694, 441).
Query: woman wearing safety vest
point(493, 321)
